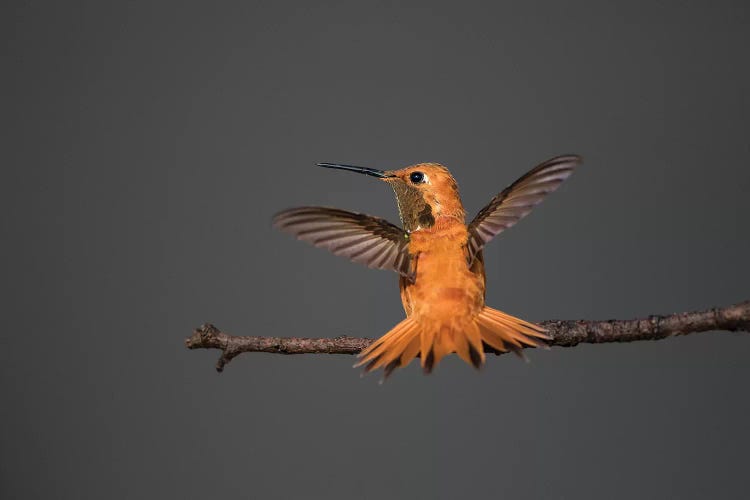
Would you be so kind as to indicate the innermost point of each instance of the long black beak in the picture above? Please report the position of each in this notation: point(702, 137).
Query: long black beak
point(360, 170)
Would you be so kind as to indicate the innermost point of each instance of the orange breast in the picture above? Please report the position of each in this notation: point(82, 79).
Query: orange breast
point(445, 290)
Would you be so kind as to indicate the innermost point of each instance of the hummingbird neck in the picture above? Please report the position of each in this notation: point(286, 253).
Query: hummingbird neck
point(419, 210)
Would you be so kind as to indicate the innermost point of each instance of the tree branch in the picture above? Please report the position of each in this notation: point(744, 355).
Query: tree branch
point(564, 334)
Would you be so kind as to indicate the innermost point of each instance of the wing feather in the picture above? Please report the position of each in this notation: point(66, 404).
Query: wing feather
point(517, 200)
point(361, 238)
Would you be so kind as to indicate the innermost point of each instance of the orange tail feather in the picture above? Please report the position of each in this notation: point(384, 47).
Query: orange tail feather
point(504, 332)
point(408, 339)
point(390, 349)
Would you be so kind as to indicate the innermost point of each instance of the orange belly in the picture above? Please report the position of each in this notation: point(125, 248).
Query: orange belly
point(446, 291)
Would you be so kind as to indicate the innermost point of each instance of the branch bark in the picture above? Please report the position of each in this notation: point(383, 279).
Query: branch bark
point(564, 334)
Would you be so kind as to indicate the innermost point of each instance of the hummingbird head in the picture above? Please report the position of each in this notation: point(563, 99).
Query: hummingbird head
point(424, 192)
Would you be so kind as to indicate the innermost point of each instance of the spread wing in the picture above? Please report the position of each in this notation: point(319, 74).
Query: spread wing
point(517, 200)
point(362, 238)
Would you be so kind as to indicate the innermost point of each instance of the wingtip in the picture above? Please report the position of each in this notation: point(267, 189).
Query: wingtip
point(578, 159)
point(573, 158)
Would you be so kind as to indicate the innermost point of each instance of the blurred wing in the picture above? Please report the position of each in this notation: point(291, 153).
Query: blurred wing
point(362, 238)
point(517, 200)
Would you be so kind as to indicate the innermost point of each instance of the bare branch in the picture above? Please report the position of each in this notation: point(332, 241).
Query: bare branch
point(564, 334)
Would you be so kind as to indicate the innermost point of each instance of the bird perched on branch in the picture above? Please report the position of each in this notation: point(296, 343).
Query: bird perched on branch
point(439, 259)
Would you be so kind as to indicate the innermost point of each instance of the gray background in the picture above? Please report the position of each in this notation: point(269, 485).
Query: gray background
point(147, 146)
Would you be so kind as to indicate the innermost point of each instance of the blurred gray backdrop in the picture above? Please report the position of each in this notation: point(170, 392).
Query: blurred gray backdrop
point(147, 146)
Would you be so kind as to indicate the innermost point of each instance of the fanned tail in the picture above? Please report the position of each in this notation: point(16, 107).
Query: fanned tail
point(408, 339)
point(396, 348)
point(504, 332)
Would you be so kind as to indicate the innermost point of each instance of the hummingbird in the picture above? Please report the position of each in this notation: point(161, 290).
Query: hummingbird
point(439, 259)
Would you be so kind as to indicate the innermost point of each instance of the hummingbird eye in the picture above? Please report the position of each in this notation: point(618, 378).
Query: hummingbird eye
point(416, 177)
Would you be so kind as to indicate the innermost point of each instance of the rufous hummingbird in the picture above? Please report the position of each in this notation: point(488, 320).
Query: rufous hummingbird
point(438, 257)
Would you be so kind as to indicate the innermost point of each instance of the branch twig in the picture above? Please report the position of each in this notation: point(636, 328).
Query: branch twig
point(564, 334)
